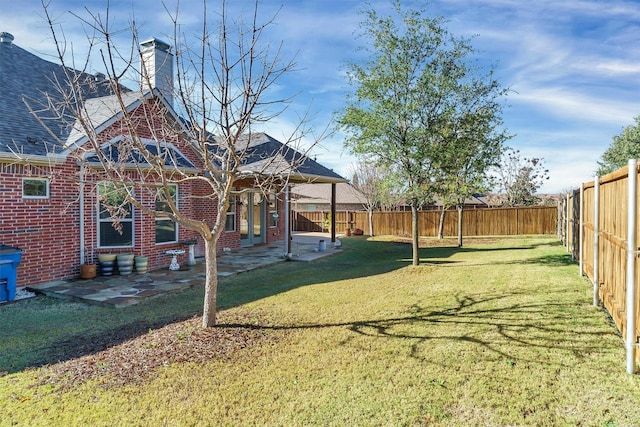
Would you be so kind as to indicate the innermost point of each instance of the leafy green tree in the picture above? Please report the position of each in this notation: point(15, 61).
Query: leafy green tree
point(624, 147)
point(476, 148)
point(412, 95)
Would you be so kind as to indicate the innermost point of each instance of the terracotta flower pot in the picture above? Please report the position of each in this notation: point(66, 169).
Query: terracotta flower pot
point(87, 271)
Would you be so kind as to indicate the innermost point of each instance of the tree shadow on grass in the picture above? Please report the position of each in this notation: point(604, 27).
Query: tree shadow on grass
point(521, 332)
point(98, 328)
point(92, 334)
point(435, 255)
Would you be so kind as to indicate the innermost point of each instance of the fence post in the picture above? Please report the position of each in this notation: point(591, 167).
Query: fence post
point(566, 223)
point(558, 224)
point(596, 238)
point(581, 231)
point(631, 269)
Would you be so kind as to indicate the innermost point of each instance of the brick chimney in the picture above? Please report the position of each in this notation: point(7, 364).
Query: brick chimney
point(157, 68)
point(6, 38)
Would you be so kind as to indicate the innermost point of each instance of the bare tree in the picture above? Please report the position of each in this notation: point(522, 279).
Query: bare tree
point(519, 178)
point(222, 91)
point(369, 180)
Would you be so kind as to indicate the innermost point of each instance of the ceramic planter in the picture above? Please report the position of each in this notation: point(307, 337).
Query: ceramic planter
point(125, 264)
point(107, 263)
point(142, 263)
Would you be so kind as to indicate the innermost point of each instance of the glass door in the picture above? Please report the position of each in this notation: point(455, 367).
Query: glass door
point(252, 211)
point(244, 219)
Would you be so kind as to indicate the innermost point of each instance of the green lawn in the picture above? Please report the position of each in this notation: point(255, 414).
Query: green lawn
point(501, 332)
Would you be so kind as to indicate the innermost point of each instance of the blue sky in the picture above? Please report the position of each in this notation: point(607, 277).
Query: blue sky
point(573, 65)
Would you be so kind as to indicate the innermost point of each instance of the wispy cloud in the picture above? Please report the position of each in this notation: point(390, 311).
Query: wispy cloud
point(573, 64)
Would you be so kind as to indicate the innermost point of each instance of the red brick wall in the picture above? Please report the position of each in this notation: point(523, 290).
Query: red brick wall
point(48, 230)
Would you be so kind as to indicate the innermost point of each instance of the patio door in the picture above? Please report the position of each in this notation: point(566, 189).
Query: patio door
point(252, 212)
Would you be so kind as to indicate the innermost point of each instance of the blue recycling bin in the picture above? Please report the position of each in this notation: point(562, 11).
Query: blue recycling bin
point(10, 258)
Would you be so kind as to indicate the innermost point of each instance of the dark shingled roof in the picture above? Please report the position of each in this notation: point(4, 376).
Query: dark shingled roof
point(262, 156)
point(172, 156)
point(26, 77)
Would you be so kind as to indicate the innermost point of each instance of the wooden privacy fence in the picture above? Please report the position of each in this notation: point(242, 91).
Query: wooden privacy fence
point(475, 222)
point(599, 228)
point(318, 220)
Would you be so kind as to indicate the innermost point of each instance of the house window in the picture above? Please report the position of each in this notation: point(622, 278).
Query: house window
point(35, 188)
point(115, 219)
point(273, 210)
point(166, 228)
point(230, 223)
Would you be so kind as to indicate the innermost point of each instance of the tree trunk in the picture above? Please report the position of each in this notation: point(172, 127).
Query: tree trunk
point(210, 284)
point(460, 208)
point(370, 222)
point(441, 224)
point(414, 233)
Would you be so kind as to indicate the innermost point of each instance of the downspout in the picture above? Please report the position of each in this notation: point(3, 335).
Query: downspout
point(81, 207)
point(631, 268)
point(596, 239)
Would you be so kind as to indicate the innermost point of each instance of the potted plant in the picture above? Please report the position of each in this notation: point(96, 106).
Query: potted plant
point(88, 269)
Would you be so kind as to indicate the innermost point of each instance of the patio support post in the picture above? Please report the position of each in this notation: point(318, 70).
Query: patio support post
point(631, 269)
point(287, 221)
point(596, 240)
point(333, 212)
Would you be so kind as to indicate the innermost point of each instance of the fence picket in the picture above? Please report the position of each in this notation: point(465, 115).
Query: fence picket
point(475, 222)
point(604, 248)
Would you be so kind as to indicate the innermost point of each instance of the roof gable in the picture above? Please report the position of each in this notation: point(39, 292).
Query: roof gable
point(172, 156)
point(36, 81)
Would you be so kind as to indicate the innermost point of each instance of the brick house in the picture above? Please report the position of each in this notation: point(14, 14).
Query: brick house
point(50, 203)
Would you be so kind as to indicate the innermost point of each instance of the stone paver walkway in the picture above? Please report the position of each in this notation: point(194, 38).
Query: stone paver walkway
point(122, 291)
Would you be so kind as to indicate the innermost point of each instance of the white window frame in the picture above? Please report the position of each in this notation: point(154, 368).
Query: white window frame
point(158, 219)
point(231, 213)
point(36, 197)
point(128, 220)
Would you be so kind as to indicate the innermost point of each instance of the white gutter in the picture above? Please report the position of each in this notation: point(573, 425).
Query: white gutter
point(32, 159)
point(596, 238)
point(631, 268)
